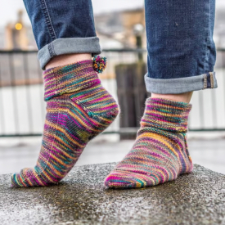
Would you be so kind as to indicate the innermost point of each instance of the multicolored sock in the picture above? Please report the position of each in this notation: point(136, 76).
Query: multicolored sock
point(160, 153)
point(78, 109)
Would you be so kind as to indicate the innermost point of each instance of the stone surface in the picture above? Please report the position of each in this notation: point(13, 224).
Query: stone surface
point(197, 198)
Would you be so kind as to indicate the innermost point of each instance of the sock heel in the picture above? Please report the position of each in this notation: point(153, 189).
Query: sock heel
point(101, 107)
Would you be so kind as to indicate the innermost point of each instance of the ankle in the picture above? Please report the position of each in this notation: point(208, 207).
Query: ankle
point(73, 78)
point(184, 97)
point(166, 115)
point(63, 60)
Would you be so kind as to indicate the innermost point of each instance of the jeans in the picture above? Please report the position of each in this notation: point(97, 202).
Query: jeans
point(62, 27)
point(180, 46)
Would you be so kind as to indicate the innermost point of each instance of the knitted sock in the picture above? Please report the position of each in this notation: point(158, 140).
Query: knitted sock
point(160, 152)
point(78, 109)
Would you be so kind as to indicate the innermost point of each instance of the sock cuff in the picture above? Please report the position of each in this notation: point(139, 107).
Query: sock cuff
point(69, 78)
point(166, 114)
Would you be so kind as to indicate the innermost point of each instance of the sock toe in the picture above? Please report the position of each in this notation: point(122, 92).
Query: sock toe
point(27, 178)
point(125, 179)
point(17, 180)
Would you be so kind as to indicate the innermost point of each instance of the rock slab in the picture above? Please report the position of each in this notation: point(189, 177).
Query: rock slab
point(197, 198)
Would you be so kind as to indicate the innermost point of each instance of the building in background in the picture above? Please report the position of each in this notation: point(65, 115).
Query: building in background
point(116, 30)
point(119, 29)
point(219, 36)
point(18, 35)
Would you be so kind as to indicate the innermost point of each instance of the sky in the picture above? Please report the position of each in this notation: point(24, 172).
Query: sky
point(9, 8)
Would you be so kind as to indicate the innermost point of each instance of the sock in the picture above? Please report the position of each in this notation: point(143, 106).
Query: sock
point(78, 109)
point(160, 153)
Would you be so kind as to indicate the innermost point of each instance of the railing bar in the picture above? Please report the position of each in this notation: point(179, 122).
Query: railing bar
point(214, 108)
point(112, 87)
point(27, 84)
point(128, 131)
point(12, 76)
point(201, 114)
point(1, 101)
point(41, 87)
point(104, 50)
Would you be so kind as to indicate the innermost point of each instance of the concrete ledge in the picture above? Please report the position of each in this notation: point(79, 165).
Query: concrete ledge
point(197, 198)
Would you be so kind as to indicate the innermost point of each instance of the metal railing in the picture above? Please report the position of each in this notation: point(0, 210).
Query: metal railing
point(22, 109)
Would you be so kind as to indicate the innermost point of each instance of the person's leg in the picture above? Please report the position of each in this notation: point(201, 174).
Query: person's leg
point(62, 27)
point(78, 107)
point(181, 58)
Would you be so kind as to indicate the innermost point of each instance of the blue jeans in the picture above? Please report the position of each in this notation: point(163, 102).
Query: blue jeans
point(180, 46)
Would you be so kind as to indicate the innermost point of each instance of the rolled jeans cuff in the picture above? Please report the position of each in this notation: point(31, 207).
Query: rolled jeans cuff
point(181, 85)
point(63, 46)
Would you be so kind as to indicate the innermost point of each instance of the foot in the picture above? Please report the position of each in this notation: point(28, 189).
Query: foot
point(78, 109)
point(160, 153)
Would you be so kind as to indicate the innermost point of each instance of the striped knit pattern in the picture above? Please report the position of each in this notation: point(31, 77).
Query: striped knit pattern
point(78, 109)
point(160, 153)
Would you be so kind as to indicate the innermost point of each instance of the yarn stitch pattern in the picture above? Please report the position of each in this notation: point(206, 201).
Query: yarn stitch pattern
point(78, 109)
point(160, 153)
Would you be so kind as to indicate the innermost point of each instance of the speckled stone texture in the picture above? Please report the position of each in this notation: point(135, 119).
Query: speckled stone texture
point(197, 198)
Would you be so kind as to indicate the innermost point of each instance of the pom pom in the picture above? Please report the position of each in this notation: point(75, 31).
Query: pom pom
point(99, 63)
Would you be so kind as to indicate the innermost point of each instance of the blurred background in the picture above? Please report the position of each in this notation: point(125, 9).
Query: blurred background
point(120, 26)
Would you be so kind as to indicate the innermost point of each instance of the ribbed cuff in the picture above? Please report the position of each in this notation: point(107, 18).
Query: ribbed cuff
point(69, 79)
point(166, 115)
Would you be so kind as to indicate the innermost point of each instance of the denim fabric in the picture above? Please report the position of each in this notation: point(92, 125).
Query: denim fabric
point(62, 46)
point(58, 20)
point(181, 50)
point(181, 85)
point(180, 45)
